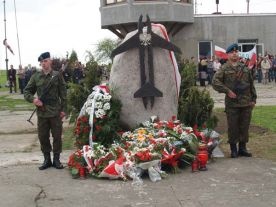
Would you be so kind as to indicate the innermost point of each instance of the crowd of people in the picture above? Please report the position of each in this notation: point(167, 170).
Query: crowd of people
point(22, 75)
point(76, 75)
point(264, 70)
point(19, 78)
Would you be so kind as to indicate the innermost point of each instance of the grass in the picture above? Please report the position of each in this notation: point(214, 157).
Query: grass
point(68, 138)
point(3, 80)
point(265, 116)
point(262, 133)
point(11, 104)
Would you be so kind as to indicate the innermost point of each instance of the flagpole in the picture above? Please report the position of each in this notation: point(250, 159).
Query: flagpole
point(7, 60)
point(18, 45)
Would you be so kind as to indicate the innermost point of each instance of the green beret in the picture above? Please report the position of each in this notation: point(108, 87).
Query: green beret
point(232, 47)
point(44, 56)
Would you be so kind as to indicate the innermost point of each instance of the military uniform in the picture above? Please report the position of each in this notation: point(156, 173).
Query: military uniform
point(51, 90)
point(53, 103)
point(238, 110)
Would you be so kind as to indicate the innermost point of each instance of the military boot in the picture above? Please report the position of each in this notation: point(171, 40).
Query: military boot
point(56, 162)
point(243, 151)
point(234, 150)
point(47, 161)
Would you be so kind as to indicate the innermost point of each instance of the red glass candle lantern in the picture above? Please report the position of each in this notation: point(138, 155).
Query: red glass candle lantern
point(202, 157)
point(82, 172)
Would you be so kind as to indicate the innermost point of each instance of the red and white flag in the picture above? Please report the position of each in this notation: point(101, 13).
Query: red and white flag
point(8, 46)
point(220, 52)
point(252, 55)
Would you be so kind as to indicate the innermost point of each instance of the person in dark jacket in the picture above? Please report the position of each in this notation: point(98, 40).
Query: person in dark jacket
point(12, 78)
point(77, 73)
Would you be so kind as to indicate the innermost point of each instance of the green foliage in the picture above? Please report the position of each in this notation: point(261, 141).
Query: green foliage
point(188, 77)
point(73, 58)
point(92, 74)
point(104, 50)
point(78, 94)
point(106, 129)
point(76, 97)
point(195, 105)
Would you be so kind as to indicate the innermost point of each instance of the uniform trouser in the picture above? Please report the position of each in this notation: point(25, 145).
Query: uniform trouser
point(238, 119)
point(45, 126)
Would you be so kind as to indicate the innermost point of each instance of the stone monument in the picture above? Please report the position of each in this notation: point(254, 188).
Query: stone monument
point(125, 79)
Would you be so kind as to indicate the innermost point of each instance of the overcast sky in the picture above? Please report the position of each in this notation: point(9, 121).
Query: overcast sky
point(59, 26)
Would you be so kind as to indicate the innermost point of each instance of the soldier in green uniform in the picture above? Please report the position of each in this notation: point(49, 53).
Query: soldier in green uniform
point(236, 81)
point(51, 106)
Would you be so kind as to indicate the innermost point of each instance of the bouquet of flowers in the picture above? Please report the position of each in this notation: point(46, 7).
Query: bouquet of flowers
point(98, 119)
point(76, 163)
point(82, 130)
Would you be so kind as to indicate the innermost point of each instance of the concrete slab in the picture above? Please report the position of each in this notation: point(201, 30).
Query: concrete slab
point(18, 143)
point(16, 122)
point(228, 182)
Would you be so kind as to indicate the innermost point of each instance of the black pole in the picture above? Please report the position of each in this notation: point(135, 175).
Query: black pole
point(7, 60)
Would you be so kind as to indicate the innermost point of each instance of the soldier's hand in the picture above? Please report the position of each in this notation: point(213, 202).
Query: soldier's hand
point(252, 103)
point(37, 102)
point(231, 94)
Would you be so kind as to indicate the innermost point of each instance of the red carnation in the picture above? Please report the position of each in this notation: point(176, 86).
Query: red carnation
point(98, 127)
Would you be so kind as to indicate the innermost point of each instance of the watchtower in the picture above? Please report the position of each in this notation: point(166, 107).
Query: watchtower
point(121, 16)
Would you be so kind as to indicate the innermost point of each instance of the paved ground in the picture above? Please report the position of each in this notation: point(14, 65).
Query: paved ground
point(228, 182)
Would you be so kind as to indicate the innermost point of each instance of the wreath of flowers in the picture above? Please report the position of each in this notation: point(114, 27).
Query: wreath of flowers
point(150, 147)
point(105, 123)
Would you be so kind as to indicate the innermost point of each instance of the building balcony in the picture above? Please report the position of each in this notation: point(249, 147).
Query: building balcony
point(121, 16)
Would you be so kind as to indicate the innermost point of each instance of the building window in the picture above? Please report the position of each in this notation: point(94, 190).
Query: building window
point(113, 1)
point(245, 45)
point(205, 49)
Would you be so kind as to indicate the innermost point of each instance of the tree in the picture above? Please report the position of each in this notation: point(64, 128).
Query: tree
point(78, 93)
point(104, 49)
point(195, 105)
point(72, 59)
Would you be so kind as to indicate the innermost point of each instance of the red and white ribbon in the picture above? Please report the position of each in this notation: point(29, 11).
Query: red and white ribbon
point(177, 76)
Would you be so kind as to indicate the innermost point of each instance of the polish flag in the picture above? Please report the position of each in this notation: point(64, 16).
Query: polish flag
point(220, 52)
point(253, 58)
point(114, 170)
point(8, 46)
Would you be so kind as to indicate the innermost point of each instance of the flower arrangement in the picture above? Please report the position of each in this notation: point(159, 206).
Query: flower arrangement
point(150, 147)
point(76, 162)
point(81, 131)
point(153, 145)
point(105, 114)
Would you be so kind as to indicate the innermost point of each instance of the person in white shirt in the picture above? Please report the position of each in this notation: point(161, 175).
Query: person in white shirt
point(216, 65)
point(265, 65)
